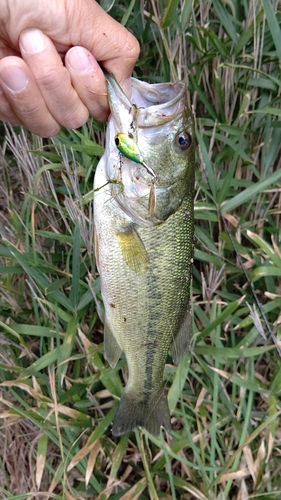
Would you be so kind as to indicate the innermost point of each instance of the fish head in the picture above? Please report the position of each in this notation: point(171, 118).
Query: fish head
point(152, 170)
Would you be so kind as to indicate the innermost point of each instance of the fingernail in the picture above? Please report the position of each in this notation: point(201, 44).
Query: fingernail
point(79, 60)
point(127, 87)
point(14, 78)
point(32, 41)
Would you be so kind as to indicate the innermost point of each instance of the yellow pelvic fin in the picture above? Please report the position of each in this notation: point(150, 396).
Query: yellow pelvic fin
point(133, 250)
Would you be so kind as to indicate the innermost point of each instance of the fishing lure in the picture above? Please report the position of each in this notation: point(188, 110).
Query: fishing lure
point(127, 146)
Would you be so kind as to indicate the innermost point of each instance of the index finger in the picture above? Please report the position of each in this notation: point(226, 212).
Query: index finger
point(109, 42)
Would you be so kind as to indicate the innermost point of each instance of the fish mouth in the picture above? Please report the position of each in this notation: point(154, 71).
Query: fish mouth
point(145, 119)
point(150, 105)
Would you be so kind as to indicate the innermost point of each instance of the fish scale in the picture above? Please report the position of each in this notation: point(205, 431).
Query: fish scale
point(145, 262)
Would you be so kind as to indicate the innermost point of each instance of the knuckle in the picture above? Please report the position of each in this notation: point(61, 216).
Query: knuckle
point(44, 128)
point(61, 97)
point(100, 115)
point(29, 110)
point(7, 113)
point(132, 47)
point(49, 132)
point(51, 79)
point(75, 117)
point(11, 119)
point(39, 120)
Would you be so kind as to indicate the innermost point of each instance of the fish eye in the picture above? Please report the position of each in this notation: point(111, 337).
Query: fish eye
point(117, 141)
point(182, 141)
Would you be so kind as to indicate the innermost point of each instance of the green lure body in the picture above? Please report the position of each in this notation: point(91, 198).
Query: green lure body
point(127, 146)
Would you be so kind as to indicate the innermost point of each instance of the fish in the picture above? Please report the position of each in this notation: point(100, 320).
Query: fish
point(144, 232)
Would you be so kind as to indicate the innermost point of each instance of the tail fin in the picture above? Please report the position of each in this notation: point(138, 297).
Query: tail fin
point(149, 414)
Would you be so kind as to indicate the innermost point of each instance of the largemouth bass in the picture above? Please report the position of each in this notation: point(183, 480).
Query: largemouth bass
point(144, 196)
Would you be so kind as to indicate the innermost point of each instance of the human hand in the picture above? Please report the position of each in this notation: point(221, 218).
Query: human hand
point(49, 71)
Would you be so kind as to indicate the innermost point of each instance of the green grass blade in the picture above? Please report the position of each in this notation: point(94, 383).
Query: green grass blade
point(273, 25)
point(170, 13)
point(75, 267)
point(250, 192)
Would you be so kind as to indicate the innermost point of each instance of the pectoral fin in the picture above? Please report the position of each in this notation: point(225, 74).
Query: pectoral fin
point(180, 343)
point(112, 350)
point(133, 250)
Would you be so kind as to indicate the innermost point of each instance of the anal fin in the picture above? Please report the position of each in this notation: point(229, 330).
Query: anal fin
point(112, 350)
point(180, 342)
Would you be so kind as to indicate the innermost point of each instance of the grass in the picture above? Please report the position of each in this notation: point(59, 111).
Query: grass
point(58, 395)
